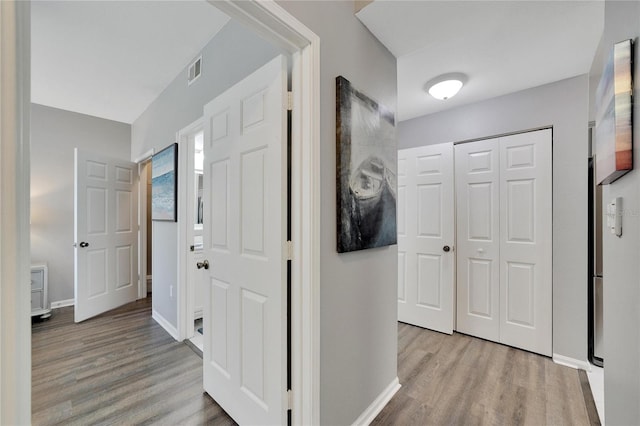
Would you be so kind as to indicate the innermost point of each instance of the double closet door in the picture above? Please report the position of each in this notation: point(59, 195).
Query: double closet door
point(504, 240)
point(502, 286)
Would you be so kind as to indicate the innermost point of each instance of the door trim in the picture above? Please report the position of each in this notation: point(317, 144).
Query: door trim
point(271, 21)
point(502, 135)
point(143, 230)
point(15, 256)
point(185, 285)
point(143, 162)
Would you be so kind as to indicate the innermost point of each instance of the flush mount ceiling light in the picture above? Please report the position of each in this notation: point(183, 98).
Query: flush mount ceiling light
point(445, 86)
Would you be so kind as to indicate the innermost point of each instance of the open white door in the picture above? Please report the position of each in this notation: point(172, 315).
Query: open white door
point(245, 312)
point(426, 226)
point(106, 234)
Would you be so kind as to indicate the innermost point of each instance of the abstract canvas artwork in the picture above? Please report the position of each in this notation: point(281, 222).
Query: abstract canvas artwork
point(613, 139)
point(366, 171)
point(164, 192)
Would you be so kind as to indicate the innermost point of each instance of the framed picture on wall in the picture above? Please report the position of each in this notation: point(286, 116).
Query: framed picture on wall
point(164, 184)
point(614, 103)
point(367, 156)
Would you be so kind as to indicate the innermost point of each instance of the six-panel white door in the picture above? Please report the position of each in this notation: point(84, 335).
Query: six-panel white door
point(426, 236)
point(106, 234)
point(478, 238)
point(526, 241)
point(504, 202)
point(245, 312)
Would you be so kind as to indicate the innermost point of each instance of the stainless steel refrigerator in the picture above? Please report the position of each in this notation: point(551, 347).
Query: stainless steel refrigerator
point(596, 354)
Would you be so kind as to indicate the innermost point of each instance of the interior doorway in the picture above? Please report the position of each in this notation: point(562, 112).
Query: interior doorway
point(146, 229)
point(273, 22)
point(191, 254)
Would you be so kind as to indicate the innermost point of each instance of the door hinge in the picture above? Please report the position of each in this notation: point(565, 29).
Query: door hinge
point(288, 249)
point(289, 400)
point(289, 101)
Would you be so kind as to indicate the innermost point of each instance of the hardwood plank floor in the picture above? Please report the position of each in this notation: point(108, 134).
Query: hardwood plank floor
point(463, 380)
point(118, 368)
point(123, 368)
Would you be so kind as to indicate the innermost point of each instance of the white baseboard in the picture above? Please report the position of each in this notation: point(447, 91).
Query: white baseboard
point(62, 303)
point(378, 404)
point(571, 362)
point(165, 324)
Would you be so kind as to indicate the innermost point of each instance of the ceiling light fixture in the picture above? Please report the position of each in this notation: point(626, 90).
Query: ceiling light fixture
point(445, 86)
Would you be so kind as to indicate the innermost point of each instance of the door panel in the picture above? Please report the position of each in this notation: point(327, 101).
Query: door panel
point(526, 241)
point(245, 194)
point(478, 242)
point(503, 192)
point(105, 222)
point(425, 227)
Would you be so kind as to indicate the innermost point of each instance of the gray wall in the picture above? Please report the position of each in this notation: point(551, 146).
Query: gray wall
point(621, 268)
point(358, 290)
point(565, 106)
point(54, 135)
point(231, 55)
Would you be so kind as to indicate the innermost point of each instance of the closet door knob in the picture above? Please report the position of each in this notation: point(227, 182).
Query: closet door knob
point(446, 249)
point(84, 244)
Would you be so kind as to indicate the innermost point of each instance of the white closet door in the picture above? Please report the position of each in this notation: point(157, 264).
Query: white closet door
point(526, 241)
point(425, 237)
point(478, 238)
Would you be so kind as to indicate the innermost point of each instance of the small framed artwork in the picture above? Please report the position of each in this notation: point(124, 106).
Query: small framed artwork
point(367, 152)
point(164, 184)
point(614, 121)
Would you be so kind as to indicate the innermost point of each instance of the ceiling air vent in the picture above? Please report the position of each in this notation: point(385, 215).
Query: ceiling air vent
point(195, 69)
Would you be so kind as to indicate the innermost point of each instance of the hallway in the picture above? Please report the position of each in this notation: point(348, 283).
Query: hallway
point(118, 368)
point(458, 379)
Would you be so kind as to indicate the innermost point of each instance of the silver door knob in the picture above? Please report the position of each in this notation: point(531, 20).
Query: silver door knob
point(446, 249)
point(204, 264)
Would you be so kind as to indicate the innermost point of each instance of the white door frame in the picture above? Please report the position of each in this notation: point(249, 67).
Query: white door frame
point(275, 24)
point(15, 253)
point(272, 22)
point(185, 285)
point(143, 162)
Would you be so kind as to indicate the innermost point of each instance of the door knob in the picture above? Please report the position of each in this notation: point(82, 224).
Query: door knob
point(446, 249)
point(204, 264)
point(84, 244)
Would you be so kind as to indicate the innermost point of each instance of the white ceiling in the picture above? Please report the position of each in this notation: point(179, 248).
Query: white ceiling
point(502, 46)
point(111, 59)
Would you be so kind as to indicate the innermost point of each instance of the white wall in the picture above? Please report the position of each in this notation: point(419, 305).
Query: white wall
point(565, 106)
point(54, 135)
point(621, 265)
point(358, 290)
point(232, 54)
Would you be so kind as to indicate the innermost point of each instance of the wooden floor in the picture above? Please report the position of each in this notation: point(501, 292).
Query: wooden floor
point(462, 380)
point(118, 368)
point(123, 368)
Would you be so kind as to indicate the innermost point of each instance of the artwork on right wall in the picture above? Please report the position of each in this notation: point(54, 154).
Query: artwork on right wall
point(614, 105)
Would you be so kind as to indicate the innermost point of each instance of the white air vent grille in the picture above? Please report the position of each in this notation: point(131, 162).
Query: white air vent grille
point(195, 69)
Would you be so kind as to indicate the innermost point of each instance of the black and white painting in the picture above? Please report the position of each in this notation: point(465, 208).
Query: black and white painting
point(366, 170)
